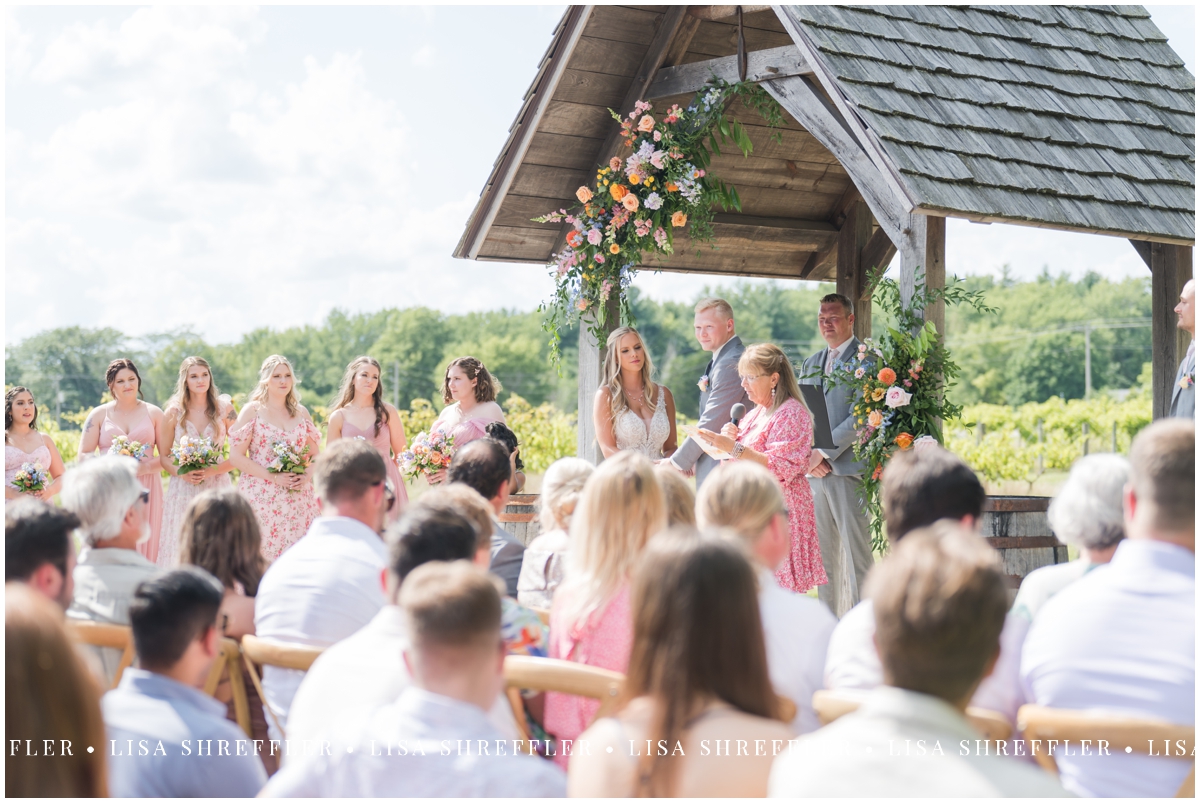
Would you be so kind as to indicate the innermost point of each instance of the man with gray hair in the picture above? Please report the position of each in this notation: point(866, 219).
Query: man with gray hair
point(1085, 513)
point(111, 505)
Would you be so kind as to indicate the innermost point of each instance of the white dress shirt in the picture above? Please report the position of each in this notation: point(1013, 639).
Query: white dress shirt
point(355, 678)
point(1121, 639)
point(442, 738)
point(853, 663)
point(796, 629)
point(319, 591)
point(902, 744)
point(105, 580)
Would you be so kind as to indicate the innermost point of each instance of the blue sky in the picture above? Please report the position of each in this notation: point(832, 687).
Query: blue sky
point(228, 168)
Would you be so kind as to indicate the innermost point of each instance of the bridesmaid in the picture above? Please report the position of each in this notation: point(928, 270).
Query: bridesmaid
point(138, 421)
point(195, 411)
point(473, 391)
point(361, 412)
point(24, 444)
point(284, 503)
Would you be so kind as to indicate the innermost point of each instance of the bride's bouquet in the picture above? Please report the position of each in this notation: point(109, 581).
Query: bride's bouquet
point(194, 454)
point(123, 446)
point(289, 459)
point(429, 453)
point(30, 478)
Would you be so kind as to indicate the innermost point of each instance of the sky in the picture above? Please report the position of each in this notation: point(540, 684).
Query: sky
point(228, 168)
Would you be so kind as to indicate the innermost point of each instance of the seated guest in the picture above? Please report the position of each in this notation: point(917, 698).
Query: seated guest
point(38, 548)
point(327, 585)
point(681, 500)
point(1085, 513)
point(697, 676)
point(591, 622)
point(939, 603)
point(451, 613)
point(50, 697)
point(1123, 637)
point(499, 432)
point(746, 499)
point(361, 673)
point(161, 702)
point(544, 564)
point(111, 505)
point(484, 465)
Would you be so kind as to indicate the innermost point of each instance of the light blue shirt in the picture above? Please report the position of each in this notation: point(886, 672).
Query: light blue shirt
point(1122, 639)
point(170, 740)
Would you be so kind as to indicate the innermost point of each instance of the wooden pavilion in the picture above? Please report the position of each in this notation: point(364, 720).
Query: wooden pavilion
point(1065, 117)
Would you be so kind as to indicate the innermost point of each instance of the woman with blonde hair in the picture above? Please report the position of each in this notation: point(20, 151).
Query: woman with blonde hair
point(195, 410)
point(778, 434)
point(681, 500)
point(631, 412)
point(274, 421)
point(470, 392)
point(361, 412)
point(543, 567)
point(50, 698)
point(591, 622)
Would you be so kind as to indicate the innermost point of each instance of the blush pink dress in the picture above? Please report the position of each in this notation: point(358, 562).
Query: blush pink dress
point(785, 437)
point(605, 640)
point(14, 458)
point(466, 430)
point(180, 493)
point(284, 516)
point(383, 443)
point(150, 475)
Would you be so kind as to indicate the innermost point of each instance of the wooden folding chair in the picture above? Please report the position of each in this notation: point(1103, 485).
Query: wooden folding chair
point(273, 653)
point(565, 677)
point(103, 634)
point(228, 658)
point(830, 705)
point(1123, 733)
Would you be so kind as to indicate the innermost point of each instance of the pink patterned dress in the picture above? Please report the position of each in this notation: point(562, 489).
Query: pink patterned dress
point(785, 437)
point(150, 475)
point(605, 640)
point(14, 458)
point(383, 443)
point(284, 516)
point(180, 493)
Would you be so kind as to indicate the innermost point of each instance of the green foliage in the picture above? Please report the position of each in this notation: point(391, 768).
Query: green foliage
point(71, 359)
point(544, 432)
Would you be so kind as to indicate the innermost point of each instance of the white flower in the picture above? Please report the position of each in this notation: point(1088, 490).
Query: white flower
point(924, 442)
point(896, 397)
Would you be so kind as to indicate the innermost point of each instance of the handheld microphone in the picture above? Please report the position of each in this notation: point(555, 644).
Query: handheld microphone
point(737, 413)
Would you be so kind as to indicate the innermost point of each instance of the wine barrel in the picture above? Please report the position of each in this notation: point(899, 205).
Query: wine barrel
point(520, 517)
point(1017, 526)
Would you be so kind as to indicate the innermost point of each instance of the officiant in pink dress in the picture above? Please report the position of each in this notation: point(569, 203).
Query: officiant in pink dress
point(473, 392)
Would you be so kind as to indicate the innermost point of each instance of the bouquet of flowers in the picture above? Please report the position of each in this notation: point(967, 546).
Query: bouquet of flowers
point(901, 379)
point(30, 478)
point(289, 459)
point(123, 446)
point(193, 454)
point(429, 453)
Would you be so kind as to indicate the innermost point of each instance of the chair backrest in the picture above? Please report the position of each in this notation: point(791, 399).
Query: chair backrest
point(1123, 733)
point(228, 658)
point(104, 634)
point(274, 653)
point(566, 677)
point(830, 705)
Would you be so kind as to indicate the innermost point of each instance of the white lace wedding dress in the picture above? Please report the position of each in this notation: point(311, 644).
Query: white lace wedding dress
point(633, 435)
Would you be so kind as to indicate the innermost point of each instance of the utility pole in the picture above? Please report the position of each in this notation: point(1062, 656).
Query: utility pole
point(1087, 361)
point(396, 384)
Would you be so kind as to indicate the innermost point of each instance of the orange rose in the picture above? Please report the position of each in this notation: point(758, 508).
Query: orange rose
point(583, 194)
point(904, 440)
point(574, 239)
point(618, 191)
point(614, 249)
point(671, 186)
point(887, 376)
point(582, 305)
point(678, 219)
point(630, 202)
point(877, 473)
point(646, 124)
point(875, 418)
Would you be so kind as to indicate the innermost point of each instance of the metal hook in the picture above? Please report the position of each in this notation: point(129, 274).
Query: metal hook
point(742, 62)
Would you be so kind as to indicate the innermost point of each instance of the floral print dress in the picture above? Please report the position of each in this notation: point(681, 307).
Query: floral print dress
point(284, 516)
point(180, 492)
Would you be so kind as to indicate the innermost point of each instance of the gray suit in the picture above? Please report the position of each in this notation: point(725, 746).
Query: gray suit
point(724, 390)
point(507, 556)
point(843, 527)
point(1183, 401)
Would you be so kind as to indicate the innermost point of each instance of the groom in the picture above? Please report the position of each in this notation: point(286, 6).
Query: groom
point(720, 387)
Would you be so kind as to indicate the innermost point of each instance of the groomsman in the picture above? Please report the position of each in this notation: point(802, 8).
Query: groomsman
point(720, 387)
point(1183, 396)
point(835, 477)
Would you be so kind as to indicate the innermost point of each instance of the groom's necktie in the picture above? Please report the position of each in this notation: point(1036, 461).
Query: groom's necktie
point(708, 370)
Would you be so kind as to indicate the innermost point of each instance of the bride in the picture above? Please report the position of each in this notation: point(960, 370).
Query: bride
point(631, 412)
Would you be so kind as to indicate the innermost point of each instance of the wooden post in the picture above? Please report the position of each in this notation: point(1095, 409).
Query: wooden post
point(1170, 270)
point(923, 246)
point(851, 272)
point(935, 267)
point(591, 364)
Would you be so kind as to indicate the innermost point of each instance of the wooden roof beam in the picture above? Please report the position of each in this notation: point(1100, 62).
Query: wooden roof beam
point(775, 62)
point(722, 12)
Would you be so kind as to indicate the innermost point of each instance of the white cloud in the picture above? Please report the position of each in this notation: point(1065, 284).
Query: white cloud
point(18, 45)
point(424, 56)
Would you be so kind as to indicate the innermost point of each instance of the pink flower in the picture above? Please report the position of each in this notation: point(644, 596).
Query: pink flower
point(896, 397)
point(657, 136)
point(908, 383)
point(646, 124)
point(600, 258)
point(594, 236)
point(614, 163)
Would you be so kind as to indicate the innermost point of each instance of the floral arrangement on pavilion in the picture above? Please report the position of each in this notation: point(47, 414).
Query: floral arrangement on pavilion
point(902, 377)
point(638, 204)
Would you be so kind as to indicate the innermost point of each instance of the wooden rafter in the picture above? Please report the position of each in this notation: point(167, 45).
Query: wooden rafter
point(776, 62)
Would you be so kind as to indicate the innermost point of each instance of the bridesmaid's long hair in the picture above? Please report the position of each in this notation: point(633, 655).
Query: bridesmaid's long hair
point(220, 534)
point(346, 391)
point(9, 397)
point(264, 376)
point(117, 366)
point(182, 396)
point(612, 372)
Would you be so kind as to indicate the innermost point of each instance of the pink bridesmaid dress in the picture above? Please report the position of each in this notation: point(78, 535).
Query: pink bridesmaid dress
point(150, 475)
point(466, 430)
point(180, 493)
point(383, 443)
point(14, 458)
